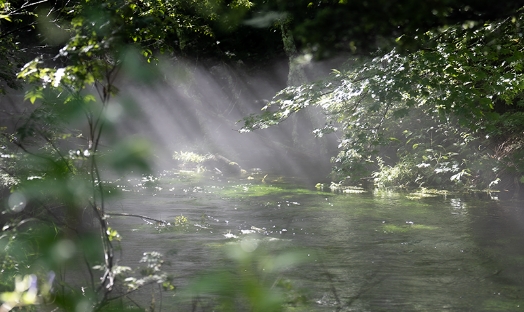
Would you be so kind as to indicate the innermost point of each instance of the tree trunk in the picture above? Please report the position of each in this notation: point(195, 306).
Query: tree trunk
point(313, 151)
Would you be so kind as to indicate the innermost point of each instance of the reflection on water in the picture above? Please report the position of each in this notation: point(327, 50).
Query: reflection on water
point(370, 252)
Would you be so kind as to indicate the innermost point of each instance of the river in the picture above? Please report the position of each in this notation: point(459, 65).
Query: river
point(372, 251)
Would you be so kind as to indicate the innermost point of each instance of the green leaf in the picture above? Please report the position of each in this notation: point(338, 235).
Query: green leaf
point(89, 98)
point(33, 94)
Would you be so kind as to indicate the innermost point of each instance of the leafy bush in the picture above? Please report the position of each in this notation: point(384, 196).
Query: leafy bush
point(435, 115)
point(56, 220)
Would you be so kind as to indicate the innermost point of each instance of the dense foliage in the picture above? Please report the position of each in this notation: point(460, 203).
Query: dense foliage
point(441, 103)
point(325, 26)
point(433, 108)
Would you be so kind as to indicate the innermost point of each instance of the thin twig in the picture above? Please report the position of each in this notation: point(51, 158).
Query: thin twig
point(123, 214)
point(27, 4)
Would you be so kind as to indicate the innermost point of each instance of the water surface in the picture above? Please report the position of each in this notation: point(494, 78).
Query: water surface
point(374, 251)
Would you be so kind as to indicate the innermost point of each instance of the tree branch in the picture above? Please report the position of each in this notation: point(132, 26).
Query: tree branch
point(123, 214)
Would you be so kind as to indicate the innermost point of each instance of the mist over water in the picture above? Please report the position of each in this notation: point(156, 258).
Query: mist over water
point(376, 251)
point(200, 108)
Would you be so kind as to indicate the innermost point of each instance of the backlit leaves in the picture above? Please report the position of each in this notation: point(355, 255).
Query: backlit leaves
point(462, 71)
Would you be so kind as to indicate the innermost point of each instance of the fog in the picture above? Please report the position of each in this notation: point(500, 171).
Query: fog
point(199, 108)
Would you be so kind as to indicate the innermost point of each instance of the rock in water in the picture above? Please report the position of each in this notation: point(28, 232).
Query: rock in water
point(223, 165)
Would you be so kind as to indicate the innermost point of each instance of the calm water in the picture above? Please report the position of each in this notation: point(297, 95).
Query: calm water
point(378, 251)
